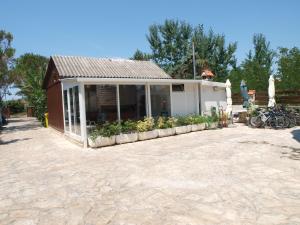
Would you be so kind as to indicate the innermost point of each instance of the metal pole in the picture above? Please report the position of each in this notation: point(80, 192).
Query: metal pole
point(194, 63)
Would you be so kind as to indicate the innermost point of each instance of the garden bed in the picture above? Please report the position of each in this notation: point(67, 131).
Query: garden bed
point(131, 131)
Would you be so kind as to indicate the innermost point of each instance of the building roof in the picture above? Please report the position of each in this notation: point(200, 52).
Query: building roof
point(77, 66)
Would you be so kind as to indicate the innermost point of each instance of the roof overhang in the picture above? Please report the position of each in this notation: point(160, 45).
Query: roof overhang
point(142, 81)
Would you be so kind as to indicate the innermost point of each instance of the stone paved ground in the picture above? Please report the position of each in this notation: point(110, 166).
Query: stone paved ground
point(230, 176)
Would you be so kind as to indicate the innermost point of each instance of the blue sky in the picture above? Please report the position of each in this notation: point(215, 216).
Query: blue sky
point(118, 28)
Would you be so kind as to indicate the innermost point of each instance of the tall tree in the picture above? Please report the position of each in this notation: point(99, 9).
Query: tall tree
point(139, 55)
point(6, 63)
point(257, 67)
point(30, 70)
point(289, 68)
point(171, 45)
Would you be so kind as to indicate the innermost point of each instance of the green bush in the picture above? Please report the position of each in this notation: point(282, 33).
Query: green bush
point(106, 130)
point(183, 120)
point(128, 127)
point(145, 125)
point(197, 119)
point(165, 122)
point(15, 106)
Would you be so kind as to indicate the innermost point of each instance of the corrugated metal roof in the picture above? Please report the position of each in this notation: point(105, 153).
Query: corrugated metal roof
point(77, 66)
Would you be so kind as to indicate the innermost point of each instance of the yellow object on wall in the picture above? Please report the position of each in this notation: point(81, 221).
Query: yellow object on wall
point(46, 120)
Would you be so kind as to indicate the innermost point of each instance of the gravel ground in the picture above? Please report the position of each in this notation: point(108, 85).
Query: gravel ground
point(228, 176)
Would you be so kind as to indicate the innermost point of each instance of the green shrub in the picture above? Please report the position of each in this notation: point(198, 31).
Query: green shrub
point(165, 122)
point(145, 125)
point(106, 130)
point(198, 119)
point(15, 106)
point(183, 120)
point(128, 127)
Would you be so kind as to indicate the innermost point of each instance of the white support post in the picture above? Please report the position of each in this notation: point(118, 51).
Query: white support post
point(171, 100)
point(197, 99)
point(118, 103)
point(149, 100)
point(82, 114)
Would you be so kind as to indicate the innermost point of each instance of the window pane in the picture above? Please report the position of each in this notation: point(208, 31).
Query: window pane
point(72, 108)
point(66, 109)
point(101, 103)
point(160, 100)
point(132, 102)
point(76, 110)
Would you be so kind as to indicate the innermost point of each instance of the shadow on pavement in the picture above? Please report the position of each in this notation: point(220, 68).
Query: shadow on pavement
point(296, 134)
point(13, 141)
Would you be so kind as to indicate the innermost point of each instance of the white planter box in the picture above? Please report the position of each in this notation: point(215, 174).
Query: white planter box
point(126, 138)
point(183, 129)
point(166, 132)
point(148, 135)
point(102, 141)
point(213, 125)
point(197, 127)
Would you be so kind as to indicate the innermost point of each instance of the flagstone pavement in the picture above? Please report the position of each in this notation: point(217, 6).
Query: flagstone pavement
point(234, 175)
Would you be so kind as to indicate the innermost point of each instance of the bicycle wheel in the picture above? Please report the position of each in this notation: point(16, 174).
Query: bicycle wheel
point(277, 122)
point(255, 121)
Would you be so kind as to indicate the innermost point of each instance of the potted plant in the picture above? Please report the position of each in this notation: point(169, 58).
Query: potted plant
point(212, 122)
point(183, 125)
point(146, 129)
point(128, 132)
point(104, 135)
point(198, 123)
point(165, 126)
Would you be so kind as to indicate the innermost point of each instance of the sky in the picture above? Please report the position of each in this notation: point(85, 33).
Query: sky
point(117, 28)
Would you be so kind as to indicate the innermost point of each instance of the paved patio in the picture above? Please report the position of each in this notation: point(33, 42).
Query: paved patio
point(230, 176)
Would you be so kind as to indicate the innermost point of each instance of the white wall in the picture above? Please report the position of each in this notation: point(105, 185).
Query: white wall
point(184, 103)
point(212, 97)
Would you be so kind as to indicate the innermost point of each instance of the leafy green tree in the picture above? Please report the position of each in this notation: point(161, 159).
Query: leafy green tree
point(171, 45)
point(289, 68)
point(6, 63)
point(30, 70)
point(257, 67)
point(139, 55)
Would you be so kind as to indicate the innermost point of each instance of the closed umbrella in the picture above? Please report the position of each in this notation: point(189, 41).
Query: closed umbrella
point(228, 98)
point(271, 92)
point(244, 93)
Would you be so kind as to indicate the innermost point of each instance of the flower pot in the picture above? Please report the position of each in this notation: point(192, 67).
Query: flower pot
point(126, 138)
point(183, 129)
point(166, 132)
point(148, 135)
point(197, 127)
point(102, 141)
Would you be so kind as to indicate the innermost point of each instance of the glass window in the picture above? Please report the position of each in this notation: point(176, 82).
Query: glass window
point(76, 111)
point(101, 103)
point(160, 100)
point(132, 102)
point(177, 87)
point(66, 109)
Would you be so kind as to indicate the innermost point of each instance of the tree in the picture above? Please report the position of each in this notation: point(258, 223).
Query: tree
point(257, 67)
point(139, 55)
point(30, 70)
point(6, 62)
point(289, 68)
point(171, 45)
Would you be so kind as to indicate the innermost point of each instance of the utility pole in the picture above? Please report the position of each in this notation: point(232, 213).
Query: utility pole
point(194, 63)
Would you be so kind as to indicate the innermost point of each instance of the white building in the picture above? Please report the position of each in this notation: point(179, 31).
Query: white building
point(82, 91)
